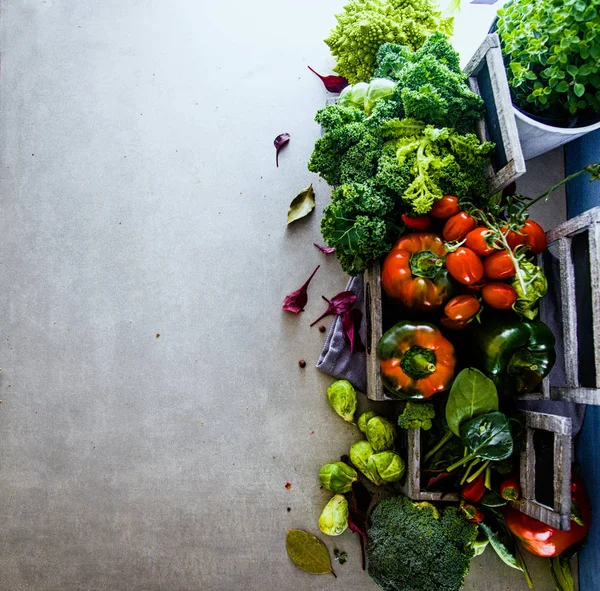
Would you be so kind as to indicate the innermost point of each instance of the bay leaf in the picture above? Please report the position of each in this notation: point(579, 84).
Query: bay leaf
point(308, 552)
point(301, 205)
point(472, 394)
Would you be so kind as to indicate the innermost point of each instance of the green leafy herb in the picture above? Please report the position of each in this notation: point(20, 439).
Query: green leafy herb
point(308, 552)
point(552, 50)
point(472, 394)
point(341, 557)
point(301, 205)
point(487, 437)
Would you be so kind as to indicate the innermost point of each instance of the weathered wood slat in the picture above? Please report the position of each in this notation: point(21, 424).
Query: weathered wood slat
point(559, 515)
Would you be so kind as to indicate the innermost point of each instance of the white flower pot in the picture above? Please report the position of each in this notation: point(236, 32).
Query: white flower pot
point(538, 138)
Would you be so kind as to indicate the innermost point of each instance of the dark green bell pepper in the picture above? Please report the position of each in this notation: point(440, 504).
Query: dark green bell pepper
point(516, 354)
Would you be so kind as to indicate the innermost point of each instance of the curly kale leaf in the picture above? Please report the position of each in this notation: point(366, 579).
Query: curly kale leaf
point(431, 86)
point(431, 162)
point(355, 224)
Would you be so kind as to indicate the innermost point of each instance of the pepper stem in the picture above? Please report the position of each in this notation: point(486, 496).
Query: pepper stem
point(425, 264)
point(418, 362)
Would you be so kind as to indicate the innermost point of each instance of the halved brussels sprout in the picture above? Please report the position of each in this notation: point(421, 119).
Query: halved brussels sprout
point(334, 517)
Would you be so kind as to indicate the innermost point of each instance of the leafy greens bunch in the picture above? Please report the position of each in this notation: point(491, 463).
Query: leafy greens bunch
point(385, 163)
point(400, 166)
point(364, 26)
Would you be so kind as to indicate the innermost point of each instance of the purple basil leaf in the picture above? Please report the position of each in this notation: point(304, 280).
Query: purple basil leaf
point(332, 83)
point(437, 478)
point(295, 301)
point(325, 249)
point(351, 325)
point(281, 140)
point(359, 500)
point(338, 304)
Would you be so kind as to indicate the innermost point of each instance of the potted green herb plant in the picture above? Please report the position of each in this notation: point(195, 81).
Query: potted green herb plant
point(551, 50)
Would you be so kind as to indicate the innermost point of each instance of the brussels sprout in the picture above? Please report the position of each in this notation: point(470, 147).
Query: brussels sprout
point(342, 398)
point(364, 418)
point(334, 518)
point(379, 88)
point(337, 477)
point(360, 452)
point(380, 433)
point(353, 96)
point(388, 465)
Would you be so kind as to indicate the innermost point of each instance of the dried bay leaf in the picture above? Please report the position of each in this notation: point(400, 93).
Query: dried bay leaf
point(308, 552)
point(301, 205)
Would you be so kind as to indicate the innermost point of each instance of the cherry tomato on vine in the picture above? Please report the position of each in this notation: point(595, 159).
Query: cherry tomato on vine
point(531, 234)
point(499, 295)
point(421, 222)
point(453, 324)
point(462, 307)
point(465, 266)
point(475, 240)
point(445, 207)
point(458, 226)
point(499, 265)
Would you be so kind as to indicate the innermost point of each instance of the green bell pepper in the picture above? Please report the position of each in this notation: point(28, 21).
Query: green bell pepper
point(516, 354)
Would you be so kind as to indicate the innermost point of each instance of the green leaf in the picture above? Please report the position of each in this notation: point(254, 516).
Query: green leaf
point(492, 499)
point(488, 437)
point(301, 205)
point(579, 89)
point(472, 394)
point(308, 552)
point(563, 86)
point(506, 554)
point(573, 70)
point(561, 573)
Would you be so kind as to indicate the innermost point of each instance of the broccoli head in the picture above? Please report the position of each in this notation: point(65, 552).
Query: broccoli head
point(413, 548)
point(364, 26)
point(416, 415)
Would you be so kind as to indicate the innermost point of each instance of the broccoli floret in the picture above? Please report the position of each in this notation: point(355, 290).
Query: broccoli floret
point(364, 26)
point(416, 415)
point(414, 549)
point(355, 224)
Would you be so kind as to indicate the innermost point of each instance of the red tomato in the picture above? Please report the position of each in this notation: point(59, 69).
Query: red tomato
point(445, 207)
point(499, 266)
point(476, 241)
point(531, 234)
point(420, 222)
point(499, 295)
point(458, 226)
point(453, 324)
point(462, 307)
point(465, 266)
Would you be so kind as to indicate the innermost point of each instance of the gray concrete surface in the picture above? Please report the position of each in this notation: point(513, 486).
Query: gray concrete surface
point(139, 197)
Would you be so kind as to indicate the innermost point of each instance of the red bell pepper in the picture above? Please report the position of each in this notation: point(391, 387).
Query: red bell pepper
point(473, 513)
point(510, 489)
point(473, 491)
point(541, 539)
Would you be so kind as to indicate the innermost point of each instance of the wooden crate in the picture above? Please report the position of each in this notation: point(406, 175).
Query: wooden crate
point(487, 77)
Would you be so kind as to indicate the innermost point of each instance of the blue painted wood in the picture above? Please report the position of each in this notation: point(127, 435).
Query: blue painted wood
point(588, 457)
point(583, 195)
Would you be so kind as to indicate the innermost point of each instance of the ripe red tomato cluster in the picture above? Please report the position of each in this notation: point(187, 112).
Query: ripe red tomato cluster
point(478, 265)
